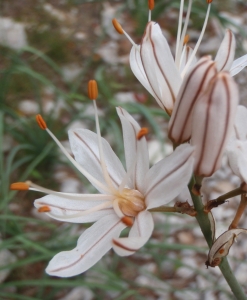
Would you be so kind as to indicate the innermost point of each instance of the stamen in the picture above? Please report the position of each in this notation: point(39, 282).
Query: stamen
point(117, 26)
point(128, 221)
point(142, 132)
point(151, 7)
point(19, 186)
point(186, 39)
point(86, 212)
point(101, 152)
point(71, 196)
point(44, 208)
point(151, 4)
point(179, 28)
point(70, 158)
point(120, 30)
point(127, 175)
point(41, 122)
point(199, 40)
point(182, 39)
point(117, 209)
point(92, 90)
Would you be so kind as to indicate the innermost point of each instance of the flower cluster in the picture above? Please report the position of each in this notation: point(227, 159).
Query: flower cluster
point(201, 98)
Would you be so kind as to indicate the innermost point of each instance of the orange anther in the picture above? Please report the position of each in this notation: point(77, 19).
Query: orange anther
point(44, 208)
point(19, 186)
point(128, 221)
point(186, 39)
point(41, 122)
point(151, 4)
point(209, 1)
point(117, 26)
point(92, 89)
point(143, 131)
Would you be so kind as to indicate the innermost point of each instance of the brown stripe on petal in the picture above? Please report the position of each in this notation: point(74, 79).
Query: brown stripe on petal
point(95, 156)
point(210, 134)
point(228, 49)
point(160, 102)
point(160, 67)
point(226, 127)
point(175, 118)
point(82, 255)
point(118, 244)
point(205, 133)
point(136, 149)
point(168, 174)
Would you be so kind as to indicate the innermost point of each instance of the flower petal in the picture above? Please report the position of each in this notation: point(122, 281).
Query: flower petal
point(240, 124)
point(186, 54)
point(237, 156)
point(84, 145)
point(136, 151)
point(138, 236)
point(225, 55)
point(68, 210)
point(166, 179)
point(211, 129)
point(137, 68)
point(159, 66)
point(222, 246)
point(238, 65)
point(91, 246)
point(180, 124)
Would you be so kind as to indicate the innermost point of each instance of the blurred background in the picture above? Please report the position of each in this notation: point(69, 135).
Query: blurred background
point(49, 49)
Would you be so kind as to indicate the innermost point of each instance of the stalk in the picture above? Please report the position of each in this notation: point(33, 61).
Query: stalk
point(203, 221)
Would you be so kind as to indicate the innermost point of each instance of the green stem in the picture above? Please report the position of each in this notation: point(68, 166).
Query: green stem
point(204, 223)
point(231, 280)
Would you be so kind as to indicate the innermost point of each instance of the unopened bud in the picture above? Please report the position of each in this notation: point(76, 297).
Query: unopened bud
point(213, 119)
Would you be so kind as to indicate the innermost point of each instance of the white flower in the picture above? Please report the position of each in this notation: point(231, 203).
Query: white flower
point(237, 147)
point(162, 75)
point(125, 196)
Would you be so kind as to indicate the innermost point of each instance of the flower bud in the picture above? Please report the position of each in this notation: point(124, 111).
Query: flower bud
point(195, 82)
point(212, 122)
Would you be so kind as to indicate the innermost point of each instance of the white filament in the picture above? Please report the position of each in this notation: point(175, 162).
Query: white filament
point(149, 15)
point(198, 42)
point(101, 152)
point(178, 57)
point(75, 163)
point(130, 39)
point(71, 196)
point(179, 29)
point(127, 175)
point(83, 213)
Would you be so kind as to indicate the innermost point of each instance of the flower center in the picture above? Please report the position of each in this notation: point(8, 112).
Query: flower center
point(131, 202)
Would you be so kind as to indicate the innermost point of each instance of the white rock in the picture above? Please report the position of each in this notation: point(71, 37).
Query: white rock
point(6, 257)
point(28, 107)
point(12, 34)
point(79, 293)
point(70, 72)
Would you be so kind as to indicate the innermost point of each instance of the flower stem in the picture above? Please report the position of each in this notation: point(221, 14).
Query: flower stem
point(204, 223)
point(239, 212)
